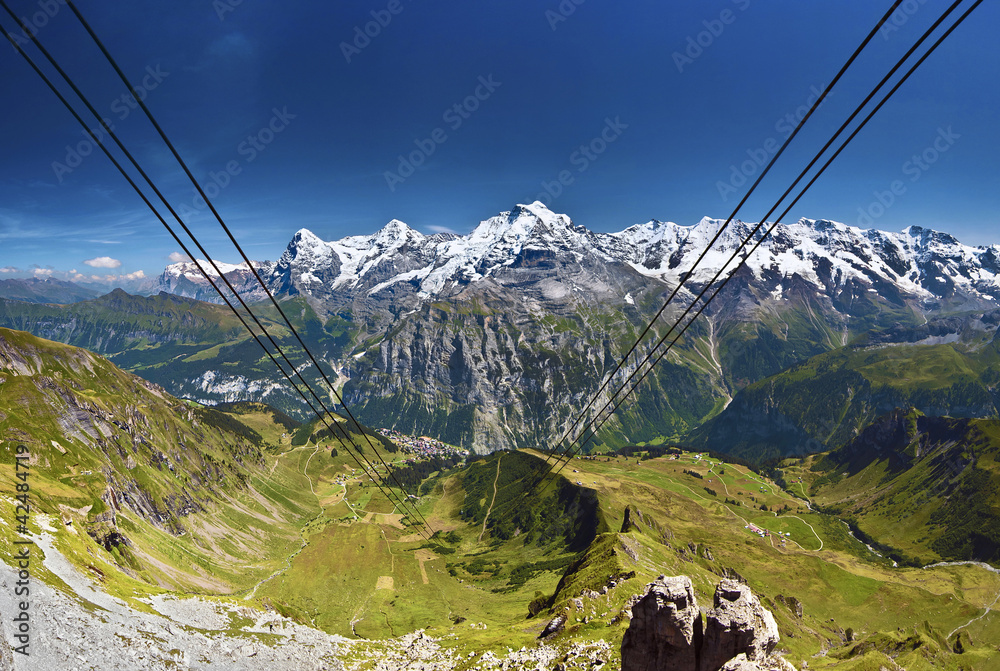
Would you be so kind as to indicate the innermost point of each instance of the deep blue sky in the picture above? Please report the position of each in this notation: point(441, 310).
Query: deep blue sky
point(222, 79)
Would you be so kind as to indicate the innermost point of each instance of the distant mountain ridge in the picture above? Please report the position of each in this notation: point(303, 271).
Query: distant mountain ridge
point(48, 290)
point(400, 261)
point(947, 366)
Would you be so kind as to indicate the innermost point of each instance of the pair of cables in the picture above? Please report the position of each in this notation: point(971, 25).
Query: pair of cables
point(293, 374)
point(561, 453)
point(612, 405)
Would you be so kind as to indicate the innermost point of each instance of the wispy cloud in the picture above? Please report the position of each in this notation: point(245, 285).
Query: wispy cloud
point(441, 229)
point(177, 257)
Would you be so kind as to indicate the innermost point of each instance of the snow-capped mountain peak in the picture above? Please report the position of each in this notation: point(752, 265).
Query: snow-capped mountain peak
point(533, 241)
point(396, 230)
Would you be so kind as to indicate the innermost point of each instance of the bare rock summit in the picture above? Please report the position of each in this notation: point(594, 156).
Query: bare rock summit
point(667, 630)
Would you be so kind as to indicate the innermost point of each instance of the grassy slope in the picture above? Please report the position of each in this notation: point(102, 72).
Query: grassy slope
point(931, 493)
point(169, 340)
point(827, 399)
point(334, 582)
point(209, 518)
point(843, 581)
point(339, 581)
point(320, 544)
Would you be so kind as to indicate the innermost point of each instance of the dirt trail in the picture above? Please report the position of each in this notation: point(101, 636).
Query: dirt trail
point(423, 556)
point(982, 565)
point(490, 509)
point(975, 619)
point(306, 468)
point(813, 530)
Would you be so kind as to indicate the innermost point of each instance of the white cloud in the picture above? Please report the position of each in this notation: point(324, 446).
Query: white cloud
point(9, 269)
point(177, 257)
point(103, 262)
point(137, 275)
point(42, 272)
point(441, 229)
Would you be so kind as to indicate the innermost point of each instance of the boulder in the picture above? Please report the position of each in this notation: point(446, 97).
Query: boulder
point(555, 625)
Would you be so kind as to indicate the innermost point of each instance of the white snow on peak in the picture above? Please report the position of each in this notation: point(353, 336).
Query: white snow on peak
point(304, 235)
point(189, 270)
point(545, 215)
point(918, 261)
point(397, 230)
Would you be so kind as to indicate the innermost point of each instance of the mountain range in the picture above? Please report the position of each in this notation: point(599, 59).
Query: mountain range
point(498, 338)
point(828, 256)
point(48, 290)
point(492, 339)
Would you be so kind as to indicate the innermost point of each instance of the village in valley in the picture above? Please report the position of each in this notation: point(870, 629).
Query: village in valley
point(423, 446)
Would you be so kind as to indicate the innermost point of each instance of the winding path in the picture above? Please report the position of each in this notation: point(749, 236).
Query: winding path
point(810, 527)
point(770, 491)
point(490, 509)
point(306, 468)
point(985, 613)
point(982, 565)
point(305, 542)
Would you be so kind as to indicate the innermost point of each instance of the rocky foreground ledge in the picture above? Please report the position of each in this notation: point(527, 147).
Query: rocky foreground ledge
point(667, 631)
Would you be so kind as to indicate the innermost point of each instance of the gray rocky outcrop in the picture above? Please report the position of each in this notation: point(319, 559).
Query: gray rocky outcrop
point(667, 632)
point(666, 628)
point(738, 624)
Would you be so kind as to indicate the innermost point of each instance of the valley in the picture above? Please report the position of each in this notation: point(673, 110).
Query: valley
point(302, 558)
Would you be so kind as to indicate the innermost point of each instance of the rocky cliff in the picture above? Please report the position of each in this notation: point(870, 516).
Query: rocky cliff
point(667, 630)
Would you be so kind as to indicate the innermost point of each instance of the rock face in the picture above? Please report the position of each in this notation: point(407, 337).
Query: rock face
point(666, 629)
point(666, 632)
point(738, 624)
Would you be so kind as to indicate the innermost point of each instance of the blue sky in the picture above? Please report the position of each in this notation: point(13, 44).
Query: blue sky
point(299, 119)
